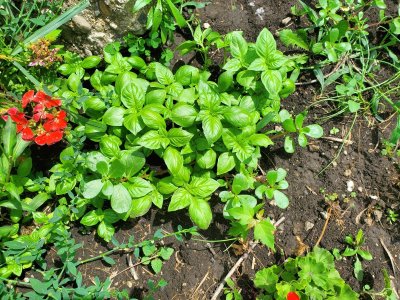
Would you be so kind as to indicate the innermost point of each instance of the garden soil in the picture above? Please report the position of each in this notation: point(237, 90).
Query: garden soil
point(196, 268)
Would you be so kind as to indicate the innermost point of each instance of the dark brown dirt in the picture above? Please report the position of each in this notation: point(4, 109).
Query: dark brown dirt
point(195, 269)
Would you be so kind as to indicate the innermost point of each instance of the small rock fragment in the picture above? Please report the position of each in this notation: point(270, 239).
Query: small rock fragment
point(350, 185)
point(206, 25)
point(347, 173)
point(309, 226)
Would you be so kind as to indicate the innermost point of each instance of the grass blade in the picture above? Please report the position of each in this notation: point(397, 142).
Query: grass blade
point(53, 25)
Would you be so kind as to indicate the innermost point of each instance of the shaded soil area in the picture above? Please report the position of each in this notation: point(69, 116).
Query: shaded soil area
point(196, 268)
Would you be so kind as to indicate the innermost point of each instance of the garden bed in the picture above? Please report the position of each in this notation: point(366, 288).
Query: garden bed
point(338, 184)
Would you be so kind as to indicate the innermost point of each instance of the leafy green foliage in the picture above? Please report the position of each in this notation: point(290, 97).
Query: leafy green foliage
point(312, 276)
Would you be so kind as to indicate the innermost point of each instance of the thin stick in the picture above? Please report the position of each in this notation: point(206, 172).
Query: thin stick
point(238, 263)
point(132, 268)
point(390, 256)
point(328, 215)
point(335, 139)
point(200, 284)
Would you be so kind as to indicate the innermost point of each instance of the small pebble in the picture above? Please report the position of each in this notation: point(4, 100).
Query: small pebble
point(374, 197)
point(347, 173)
point(350, 185)
point(360, 189)
point(309, 226)
point(206, 25)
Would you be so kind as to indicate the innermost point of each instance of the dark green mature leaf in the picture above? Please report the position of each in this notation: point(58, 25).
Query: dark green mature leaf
point(200, 213)
point(121, 200)
point(40, 287)
point(264, 231)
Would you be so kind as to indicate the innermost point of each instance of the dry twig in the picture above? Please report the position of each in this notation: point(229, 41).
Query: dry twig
point(239, 262)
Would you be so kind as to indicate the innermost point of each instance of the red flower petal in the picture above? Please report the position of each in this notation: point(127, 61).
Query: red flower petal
point(27, 134)
point(49, 138)
point(40, 97)
point(17, 116)
point(27, 98)
point(292, 296)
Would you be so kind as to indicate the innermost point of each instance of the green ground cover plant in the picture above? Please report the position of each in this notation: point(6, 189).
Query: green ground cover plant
point(138, 136)
point(342, 53)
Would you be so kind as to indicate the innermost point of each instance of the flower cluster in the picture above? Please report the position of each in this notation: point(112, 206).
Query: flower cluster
point(42, 55)
point(42, 120)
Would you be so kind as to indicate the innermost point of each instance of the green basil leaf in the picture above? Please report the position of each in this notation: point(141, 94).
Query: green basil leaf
point(140, 206)
point(272, 81)
point(281, 200)
point(179, 137)
point(265, 44)
point(121, 201)
point(173, 159)
point(92, 218)
point(180, 199)
point(139, 187)
point(153, 140)
point(92, 188)
point(109, 145)
point(206, 160)
point(164, 75)
point(203, 187)
point(114, 116)
point(212, 128)
point(133, 123)
point(226, 162)
point(106, 231)
point(183, 114)
point(200, 213)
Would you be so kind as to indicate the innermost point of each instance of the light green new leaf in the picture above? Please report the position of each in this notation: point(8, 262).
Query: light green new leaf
point(264, 231)
point(212, 128)
point(200, 213)
point(173, 159)
point(179, 137)
point(92, 188)
point(226, 162)
point(121, 201)
point(203, 187)
point(272, 81)
point(265, 44)
point(180, 199)
point(114, 116)
point(153, 140)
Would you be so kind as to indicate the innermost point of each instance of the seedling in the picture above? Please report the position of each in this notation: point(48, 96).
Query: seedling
point(354, 249)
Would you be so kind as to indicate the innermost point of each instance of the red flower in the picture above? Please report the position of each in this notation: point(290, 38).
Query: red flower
point(46, 100)
point(17, 116)
point(39, 113)
point(292, 296)
point(27, 98)
point(49, 138)
point(56, 123)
